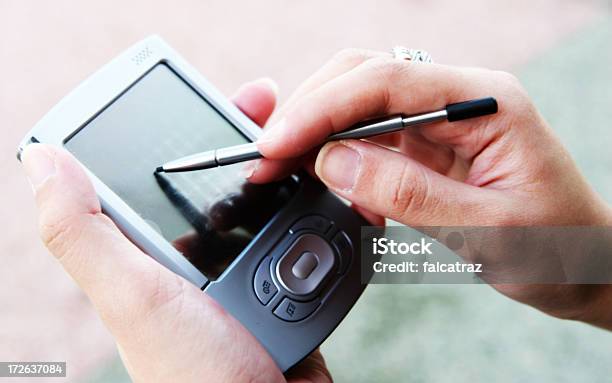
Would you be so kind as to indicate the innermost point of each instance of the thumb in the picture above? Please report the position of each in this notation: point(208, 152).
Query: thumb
point(146, 307)
point(392, 185)
point(115, 274)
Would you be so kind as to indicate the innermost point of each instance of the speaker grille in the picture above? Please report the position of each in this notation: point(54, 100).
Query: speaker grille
point(142, 56)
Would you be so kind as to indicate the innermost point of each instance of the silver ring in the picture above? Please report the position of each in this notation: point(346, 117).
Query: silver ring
point(416, 55)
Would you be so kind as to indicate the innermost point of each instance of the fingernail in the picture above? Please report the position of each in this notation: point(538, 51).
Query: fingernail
point(39, 164)
point(249, 169)
point(273, 132)
point(269, 83)
point(338, 166)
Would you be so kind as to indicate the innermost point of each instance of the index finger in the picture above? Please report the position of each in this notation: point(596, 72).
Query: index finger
point(378, 87)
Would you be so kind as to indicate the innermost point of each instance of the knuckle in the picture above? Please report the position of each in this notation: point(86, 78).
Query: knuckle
point(409, 194)
point(516, 100)
point(385, 72)
point(61, 236)
point(388, 69)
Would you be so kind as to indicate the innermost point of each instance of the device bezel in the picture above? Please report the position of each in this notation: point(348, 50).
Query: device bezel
point(99, 91)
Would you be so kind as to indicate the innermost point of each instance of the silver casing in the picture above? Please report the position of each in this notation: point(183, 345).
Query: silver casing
point(287, 342)
point(93, 95)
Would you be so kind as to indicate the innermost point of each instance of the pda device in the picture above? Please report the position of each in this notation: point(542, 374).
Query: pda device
point(282, 258)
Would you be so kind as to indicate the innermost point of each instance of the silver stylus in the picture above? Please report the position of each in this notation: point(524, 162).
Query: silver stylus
point(240, 153)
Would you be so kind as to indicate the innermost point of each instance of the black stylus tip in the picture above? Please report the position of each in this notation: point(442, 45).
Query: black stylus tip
point(159, 169)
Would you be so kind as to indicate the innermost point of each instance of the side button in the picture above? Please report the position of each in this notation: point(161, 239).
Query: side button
point(343, 246)
point(264, 287)
point(293, 311)
point(313, 222)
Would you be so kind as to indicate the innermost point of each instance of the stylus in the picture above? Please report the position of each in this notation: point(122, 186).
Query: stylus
point(246, 152)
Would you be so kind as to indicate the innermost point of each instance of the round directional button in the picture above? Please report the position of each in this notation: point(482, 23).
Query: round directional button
point(304, 266)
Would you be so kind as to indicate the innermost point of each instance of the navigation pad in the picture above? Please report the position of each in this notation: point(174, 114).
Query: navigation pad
point(318, 252)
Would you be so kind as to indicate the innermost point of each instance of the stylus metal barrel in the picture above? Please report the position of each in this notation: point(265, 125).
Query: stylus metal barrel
point(197, 161)
point(370, 129)
point(212, 158)
point(426, 118)
point(239, 153)
point(389, 125)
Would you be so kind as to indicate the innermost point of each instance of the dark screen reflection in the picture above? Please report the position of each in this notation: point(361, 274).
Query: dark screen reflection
point(221, 231)
point(211, 215)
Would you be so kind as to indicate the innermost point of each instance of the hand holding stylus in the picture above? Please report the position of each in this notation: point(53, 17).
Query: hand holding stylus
point(240, 153)
point(506, 169)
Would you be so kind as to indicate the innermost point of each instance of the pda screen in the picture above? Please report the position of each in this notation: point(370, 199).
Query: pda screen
point(210, 216)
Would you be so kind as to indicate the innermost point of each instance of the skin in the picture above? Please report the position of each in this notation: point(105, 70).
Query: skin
point(166, 329)
point(504, 170)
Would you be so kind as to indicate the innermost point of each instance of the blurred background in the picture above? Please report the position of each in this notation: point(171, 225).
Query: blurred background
point(560, 49)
